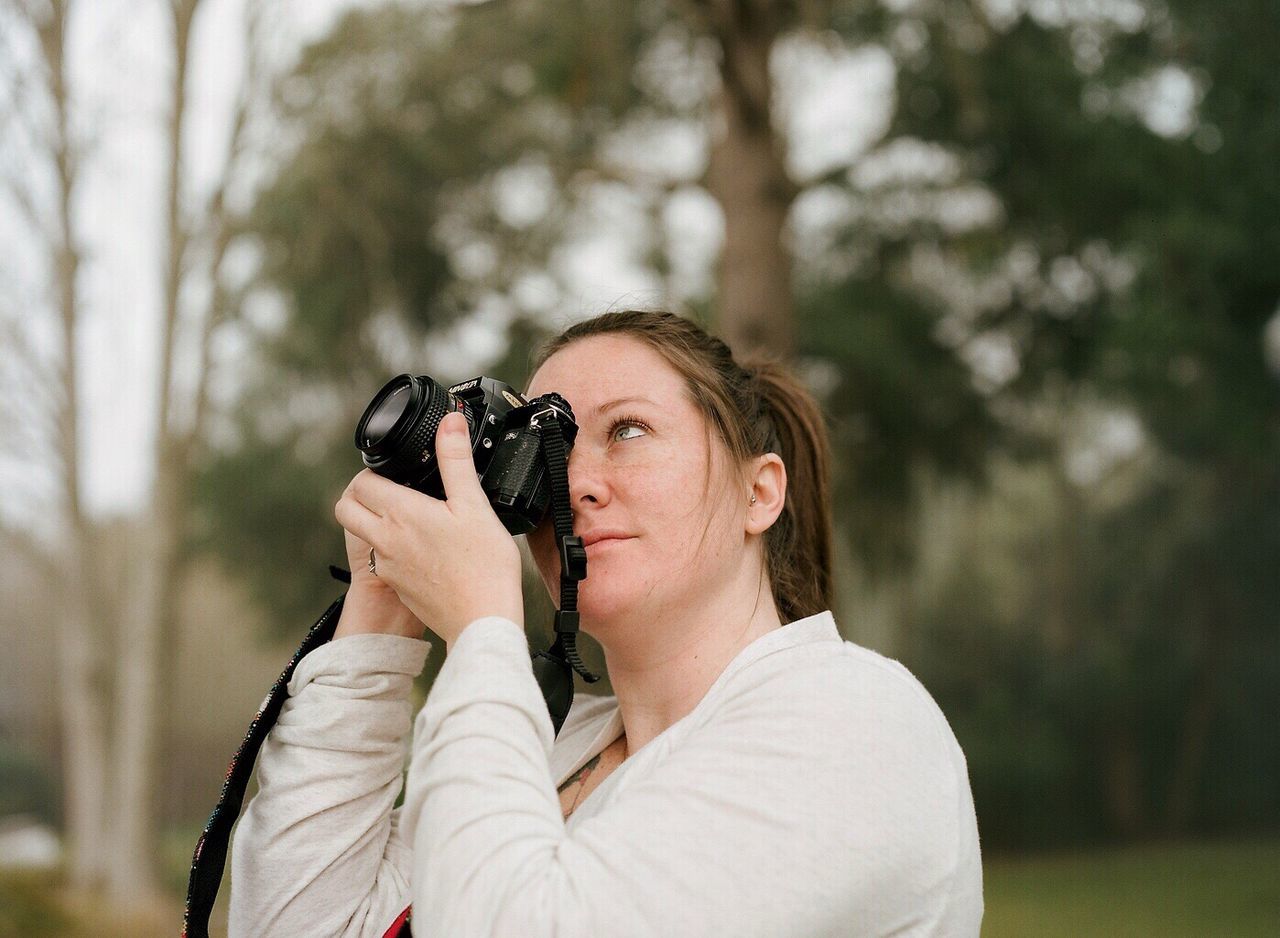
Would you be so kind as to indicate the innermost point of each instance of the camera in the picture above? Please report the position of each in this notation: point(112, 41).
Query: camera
point(396, 437)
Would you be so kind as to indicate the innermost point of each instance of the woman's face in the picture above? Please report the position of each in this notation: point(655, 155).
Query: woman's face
point(646, 479)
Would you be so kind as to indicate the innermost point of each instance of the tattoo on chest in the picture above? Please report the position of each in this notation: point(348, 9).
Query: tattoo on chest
point(582, 773)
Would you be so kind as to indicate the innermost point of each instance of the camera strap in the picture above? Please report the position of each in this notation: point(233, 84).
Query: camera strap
point(210, 855)
point(555, 667)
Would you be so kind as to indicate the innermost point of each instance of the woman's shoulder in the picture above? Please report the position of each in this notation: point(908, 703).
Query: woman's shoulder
point(807, 670)
point(813, 645)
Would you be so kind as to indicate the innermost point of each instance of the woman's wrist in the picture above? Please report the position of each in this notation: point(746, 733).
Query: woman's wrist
point(376, 610)
point(510, 610)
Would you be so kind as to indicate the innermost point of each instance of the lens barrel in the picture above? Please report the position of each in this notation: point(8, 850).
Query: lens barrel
point(390, 409)
point(396, 434)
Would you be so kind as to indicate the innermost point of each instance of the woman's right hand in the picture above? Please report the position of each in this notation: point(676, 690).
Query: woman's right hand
point(371, 606)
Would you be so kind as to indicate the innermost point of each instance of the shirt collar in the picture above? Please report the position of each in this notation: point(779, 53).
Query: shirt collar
point(584, 738)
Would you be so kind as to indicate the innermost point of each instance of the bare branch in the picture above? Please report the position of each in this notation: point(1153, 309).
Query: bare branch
point(177, 234)
point(245, 99)
point(219, 221)
point(20, 196)
point(17, 131)
point(48, 21)
point(26, 360)
point(39, 393)
point(28, 442)
point(16, 541)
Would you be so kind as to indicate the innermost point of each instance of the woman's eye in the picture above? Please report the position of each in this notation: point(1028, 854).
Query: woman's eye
point(627, 430)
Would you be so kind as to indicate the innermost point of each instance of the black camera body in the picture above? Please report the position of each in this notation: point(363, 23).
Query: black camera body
point(397, 432)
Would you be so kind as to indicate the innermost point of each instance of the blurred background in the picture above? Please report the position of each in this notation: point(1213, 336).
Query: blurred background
point(1026, 252)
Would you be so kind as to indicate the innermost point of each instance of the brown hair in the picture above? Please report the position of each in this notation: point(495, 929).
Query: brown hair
point(755, 407)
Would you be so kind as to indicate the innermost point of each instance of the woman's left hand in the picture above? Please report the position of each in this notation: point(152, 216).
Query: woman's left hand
point(451, 562)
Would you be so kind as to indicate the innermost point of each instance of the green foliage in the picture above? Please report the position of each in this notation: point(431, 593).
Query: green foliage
point(269, 515)
point(1099, 654)
point(902, 401)
point(1073, 165)
point(524, 338)
point(26, 786)
point(1070, 643)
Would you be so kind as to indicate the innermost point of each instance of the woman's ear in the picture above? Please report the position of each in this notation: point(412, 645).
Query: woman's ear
point(768, 492)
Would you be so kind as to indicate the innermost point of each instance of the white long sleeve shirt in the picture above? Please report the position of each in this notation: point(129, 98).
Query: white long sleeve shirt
point(816, 790)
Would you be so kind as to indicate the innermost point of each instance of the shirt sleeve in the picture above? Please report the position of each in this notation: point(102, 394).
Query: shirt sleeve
point(808, 805)
point(318, 850)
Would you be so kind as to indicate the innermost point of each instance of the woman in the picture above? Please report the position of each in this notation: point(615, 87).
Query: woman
point(752, 777)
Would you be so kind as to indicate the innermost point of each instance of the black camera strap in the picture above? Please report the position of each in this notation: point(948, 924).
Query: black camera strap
point(210, 857)
point(553, 668)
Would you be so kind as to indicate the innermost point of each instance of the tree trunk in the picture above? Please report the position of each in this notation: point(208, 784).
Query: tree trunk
point(112, 712)
point(747, 175)
point(1122, 779)
point(84, 738)
point(1067, 564)
point(81, 684)
point(140, 702)
point(147, 631)
point(136, 717)
point(148, 614)
point(1218, 614)
point(1197, 721)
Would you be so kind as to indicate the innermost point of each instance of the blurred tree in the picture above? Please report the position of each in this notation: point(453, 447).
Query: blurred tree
point(112, 662)
point(747, 174)
point(80, 647)
point(1128, 151)
point(439, 157)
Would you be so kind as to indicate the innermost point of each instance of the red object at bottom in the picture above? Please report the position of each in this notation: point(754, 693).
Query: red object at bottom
point(400, 927)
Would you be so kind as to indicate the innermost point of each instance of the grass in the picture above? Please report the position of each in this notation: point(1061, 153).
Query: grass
point(1167, 890)
point(39, 904)
point(36, 905)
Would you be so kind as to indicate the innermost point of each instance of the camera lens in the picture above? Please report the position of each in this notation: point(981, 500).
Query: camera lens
point(385, 414)
point(396, 434)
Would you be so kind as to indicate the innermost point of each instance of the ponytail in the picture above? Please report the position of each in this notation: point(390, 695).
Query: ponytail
point(798, 547)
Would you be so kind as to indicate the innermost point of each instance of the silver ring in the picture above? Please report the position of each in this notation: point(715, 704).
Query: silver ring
point(373, 563)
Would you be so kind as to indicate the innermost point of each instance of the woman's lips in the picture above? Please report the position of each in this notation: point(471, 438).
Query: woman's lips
point(607, 541)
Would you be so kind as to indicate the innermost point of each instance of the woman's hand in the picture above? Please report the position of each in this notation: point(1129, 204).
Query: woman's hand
point(450, 562)
point(372, 606)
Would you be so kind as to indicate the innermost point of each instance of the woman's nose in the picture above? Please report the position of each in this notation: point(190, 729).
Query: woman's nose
point(587, 484)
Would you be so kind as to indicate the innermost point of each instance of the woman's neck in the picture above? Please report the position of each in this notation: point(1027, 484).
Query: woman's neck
point(660, 682)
